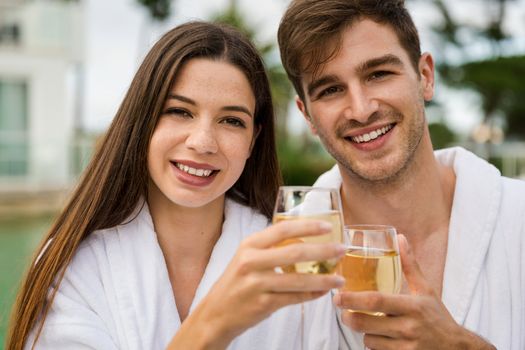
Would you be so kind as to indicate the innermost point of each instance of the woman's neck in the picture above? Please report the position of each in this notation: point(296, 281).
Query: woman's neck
point(186, 237)
point(184, 233)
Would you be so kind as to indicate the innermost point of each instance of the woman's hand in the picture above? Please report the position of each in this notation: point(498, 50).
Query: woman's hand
point(250, 290)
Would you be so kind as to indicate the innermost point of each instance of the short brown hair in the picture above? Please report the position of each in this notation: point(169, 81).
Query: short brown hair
point(309, 27)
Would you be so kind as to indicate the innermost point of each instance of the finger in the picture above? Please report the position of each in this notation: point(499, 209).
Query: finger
point(294, 253)
point(283, 230)
point(298, 282)
point(372, 341)
point(388, 326)
point(414, 277)
point(390, 304)
point(290, 298)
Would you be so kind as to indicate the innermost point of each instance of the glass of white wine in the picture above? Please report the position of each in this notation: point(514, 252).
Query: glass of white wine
point(315, 203)
point(371, 261)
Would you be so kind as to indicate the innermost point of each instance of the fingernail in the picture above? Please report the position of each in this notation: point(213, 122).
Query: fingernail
point(325, 226)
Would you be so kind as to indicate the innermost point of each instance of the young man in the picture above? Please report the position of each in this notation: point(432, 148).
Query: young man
point(362, 83)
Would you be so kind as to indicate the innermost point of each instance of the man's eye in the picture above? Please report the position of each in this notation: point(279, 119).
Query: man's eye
point(329, 91)
point(178, 112)
point(379, 74)
point(234, 122)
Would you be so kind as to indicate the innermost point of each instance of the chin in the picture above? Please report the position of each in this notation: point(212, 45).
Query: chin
point(190, 200)
point(382, 173)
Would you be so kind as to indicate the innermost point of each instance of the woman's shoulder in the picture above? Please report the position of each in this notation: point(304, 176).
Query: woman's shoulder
point(101, 245)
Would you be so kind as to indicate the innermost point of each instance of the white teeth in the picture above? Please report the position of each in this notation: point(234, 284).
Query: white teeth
point(193, 171)
point(371, 135)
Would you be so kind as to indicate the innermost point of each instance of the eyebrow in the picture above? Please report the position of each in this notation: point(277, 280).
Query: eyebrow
point(388, 59)
point(324, 80)
point(232, 108)
point(365, 66)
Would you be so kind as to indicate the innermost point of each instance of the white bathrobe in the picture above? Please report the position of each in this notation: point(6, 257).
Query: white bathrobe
point(116, 294)
point(484, 277)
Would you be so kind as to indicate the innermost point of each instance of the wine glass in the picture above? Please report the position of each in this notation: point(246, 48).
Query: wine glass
point(371, 261)
point(304, 202)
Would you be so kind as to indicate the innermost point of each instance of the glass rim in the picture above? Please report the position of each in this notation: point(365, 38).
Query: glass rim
point(369, 227)
point(307, 188)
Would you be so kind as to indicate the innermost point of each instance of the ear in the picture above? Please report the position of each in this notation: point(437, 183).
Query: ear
point(426, 71)
point(302, 107)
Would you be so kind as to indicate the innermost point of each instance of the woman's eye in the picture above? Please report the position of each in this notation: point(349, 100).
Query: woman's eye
point(179, 112)
point(234, 122)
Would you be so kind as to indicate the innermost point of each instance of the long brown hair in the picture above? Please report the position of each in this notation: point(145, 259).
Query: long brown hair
point(310, 31)
point(116, 178)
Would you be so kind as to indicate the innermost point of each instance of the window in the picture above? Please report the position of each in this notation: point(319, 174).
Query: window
point(9, 34)
point(13, 128)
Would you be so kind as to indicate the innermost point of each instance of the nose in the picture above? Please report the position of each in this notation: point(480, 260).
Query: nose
point(360, 105)
point(202, 139)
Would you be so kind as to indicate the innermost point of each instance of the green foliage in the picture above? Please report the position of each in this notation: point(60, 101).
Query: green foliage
point(498, 79)
point(442, 136)
point(158, 9)
point(448, 28)
point(302, 161)
point(497, 162)
point(501, 85)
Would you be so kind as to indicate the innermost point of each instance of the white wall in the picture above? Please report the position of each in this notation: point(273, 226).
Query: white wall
point(47, 60)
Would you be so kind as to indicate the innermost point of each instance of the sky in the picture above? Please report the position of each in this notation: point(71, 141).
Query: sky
point(118, 36)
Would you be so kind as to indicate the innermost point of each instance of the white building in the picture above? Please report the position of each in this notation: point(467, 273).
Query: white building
point(40, 78)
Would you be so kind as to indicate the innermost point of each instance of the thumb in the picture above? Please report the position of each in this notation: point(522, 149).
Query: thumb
point(414, 277)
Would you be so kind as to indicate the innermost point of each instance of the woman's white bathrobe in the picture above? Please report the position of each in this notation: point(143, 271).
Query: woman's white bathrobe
point(116, 294)
point(484, 278)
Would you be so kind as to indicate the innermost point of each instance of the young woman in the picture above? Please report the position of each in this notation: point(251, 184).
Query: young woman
point(156, 248)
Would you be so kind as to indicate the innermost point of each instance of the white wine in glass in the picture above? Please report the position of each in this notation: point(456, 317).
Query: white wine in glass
point(302, 202)
point(371, 261)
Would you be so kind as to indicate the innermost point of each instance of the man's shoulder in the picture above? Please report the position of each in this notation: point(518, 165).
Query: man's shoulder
point(458, 156)
point(330, 178)
point(514, 191)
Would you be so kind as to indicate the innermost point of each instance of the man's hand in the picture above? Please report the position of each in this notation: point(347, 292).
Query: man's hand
point(418, 320)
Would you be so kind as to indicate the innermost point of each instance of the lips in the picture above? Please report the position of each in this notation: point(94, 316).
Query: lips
point(194, 174)
point(193, 171)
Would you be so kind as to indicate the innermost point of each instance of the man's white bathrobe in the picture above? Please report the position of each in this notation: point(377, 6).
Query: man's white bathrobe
point(484, 277)
point(116, 294)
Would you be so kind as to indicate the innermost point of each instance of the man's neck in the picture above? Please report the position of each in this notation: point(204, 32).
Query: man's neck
point(418, 203)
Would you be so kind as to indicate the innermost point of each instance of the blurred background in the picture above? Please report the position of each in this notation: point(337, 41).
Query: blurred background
point(65, 66)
